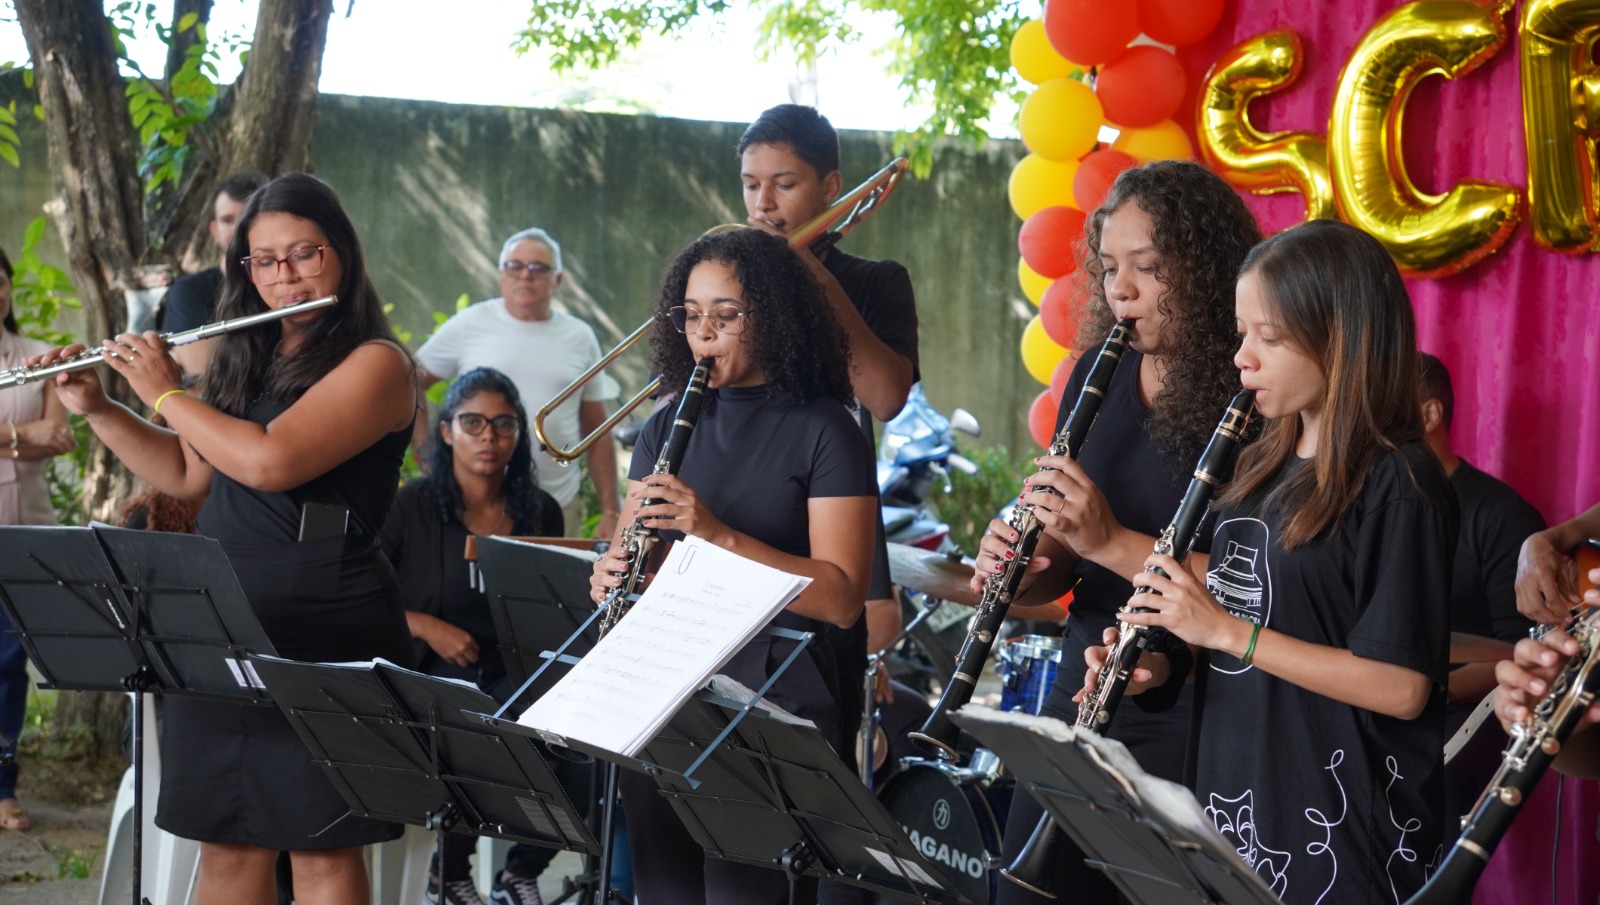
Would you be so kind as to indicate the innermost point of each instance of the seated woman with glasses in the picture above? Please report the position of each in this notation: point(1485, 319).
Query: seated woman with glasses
point(479, 480)
point(777, 471)
point(313, 408)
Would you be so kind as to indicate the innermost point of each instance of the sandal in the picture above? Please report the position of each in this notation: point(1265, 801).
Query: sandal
point(13, 816)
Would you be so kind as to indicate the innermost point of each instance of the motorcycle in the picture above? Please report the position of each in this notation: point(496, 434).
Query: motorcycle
point(916, 449)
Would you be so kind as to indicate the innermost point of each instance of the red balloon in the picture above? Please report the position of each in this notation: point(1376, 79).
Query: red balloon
point(1058, 380)
point(1090, 32)
point(1179, 22)
point(1049, 241)
point(1042, 418)
point(1058, 312)
point(1095, 175)
point(1142, 87)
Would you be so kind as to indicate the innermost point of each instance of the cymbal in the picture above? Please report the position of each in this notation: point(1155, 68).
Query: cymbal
point(1465, 648)
point(934, 574)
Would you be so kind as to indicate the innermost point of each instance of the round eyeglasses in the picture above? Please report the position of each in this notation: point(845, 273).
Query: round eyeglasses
point(474, 423)
point(724, 318)
point(533, 270)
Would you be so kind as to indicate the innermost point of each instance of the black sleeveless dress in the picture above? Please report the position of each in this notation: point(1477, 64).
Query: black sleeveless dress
point(238, 772)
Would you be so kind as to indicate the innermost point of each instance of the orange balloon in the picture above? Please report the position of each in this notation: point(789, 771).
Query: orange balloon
point(1096, 173)
point(1037, 183)
point(1165, 140)
point(1142, 87)
point(1049, 241)
point(1061, 119)
point(1179, 22)
point(1062, 374)
point(1091, 32)
point(1058, 312)
point(1042, 418)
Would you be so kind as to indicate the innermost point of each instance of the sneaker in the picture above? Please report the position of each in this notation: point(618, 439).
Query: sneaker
point(513, 889)
point(456, 892)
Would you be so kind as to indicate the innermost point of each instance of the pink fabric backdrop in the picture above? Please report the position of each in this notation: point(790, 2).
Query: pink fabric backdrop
point(1520, 331)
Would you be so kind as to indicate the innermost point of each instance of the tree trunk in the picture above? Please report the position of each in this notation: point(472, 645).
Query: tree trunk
point(98, 208)
point(277, 95)
point(104, 713)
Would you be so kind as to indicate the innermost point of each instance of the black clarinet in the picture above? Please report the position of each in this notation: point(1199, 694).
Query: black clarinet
point(1533, 747)
point(1031, 867)
point(939, 734)
point(638, 540)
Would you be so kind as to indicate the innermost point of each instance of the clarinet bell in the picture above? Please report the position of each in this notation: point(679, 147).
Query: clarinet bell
point(1031, 868)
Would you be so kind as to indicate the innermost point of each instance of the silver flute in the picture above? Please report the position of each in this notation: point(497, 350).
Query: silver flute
point(94, 355)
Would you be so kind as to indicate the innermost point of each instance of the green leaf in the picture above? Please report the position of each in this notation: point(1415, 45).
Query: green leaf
point(9, 155)
point(8, 135)
point(188, 21)
point(7, 115)
point(32, 234)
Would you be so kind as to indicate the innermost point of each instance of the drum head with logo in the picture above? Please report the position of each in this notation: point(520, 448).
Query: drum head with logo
point(950, 823)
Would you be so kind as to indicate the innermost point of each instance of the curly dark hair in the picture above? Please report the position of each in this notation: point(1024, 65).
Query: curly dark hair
point(793, 336)
point(1201, 231)
point(521, 487)
point(155, 511)
point(246, 363)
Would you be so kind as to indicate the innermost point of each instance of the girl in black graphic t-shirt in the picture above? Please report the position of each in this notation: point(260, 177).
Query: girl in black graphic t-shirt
point(776, 471)
point(1324, 610)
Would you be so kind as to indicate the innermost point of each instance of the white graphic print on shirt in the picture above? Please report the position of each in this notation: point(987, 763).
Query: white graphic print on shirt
point(1241, 580)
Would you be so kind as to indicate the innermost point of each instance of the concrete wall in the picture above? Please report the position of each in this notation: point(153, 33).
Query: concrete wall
point(435, 188)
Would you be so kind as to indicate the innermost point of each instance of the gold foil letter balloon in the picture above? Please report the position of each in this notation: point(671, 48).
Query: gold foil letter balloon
point(1560, 121)
point(1427, 235)
point(1246, 156)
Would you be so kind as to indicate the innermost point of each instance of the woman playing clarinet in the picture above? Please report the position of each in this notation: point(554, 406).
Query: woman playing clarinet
point(777, 471)
point(1163, 251)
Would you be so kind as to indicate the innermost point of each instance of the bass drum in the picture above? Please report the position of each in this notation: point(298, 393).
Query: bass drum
point(953, 816)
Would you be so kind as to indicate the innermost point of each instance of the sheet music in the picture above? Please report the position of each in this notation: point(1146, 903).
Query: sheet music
point(699, 610)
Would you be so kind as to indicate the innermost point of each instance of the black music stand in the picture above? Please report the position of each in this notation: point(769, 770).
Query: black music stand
point(113, 609)
point(539, 598)
point(399, 746)
point(1148, 835)
point(782, 797)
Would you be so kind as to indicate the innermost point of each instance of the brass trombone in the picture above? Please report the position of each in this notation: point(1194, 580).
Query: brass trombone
point(819, 234)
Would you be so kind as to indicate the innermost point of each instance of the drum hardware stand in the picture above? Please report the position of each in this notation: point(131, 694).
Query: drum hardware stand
point(869, 707)
point(120, 610)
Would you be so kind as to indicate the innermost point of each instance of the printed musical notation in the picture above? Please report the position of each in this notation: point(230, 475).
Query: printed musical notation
point(702, 606)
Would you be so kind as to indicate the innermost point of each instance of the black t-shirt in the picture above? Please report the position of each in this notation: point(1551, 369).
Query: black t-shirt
point(1495, 521)
point(1329, 802)
point(192, 301)
point(756, 462)
point(428, 557)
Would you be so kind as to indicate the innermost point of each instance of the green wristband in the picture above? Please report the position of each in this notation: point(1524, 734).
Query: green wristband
point(1250, 651)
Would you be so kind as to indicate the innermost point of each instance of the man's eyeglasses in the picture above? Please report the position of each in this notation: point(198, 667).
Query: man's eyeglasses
point(473, 423)
point(533, 270)
point(265, 270)
point(725, 318)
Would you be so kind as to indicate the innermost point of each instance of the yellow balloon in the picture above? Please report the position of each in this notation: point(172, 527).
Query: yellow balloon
point(1428, 235)
point(1037, 183)
point(1244, 155)
point(1040, 354)
point(1033, 56)
point(1163, 141)
point(1032, 282)
point(1061, 119)
point(1559, 116)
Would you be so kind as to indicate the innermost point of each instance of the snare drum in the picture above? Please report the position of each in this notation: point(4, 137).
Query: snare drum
point(1027, 667)
point(949, 813)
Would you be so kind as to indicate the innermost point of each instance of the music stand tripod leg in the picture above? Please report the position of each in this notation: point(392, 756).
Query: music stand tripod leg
point(138, 682)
